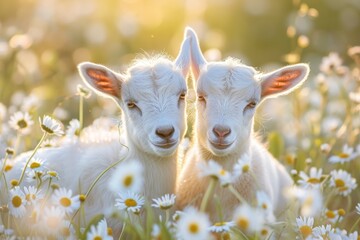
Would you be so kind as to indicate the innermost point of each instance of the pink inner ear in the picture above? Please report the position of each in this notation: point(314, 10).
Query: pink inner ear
point(280, 83)
point(103, 82)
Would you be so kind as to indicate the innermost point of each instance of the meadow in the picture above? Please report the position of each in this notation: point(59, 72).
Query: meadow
point(314, 132)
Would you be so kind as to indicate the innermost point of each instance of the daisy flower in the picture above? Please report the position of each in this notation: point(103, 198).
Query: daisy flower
point(63, 199)
point(36, 164)
point(305, 226)
point(325, 148)
point(220, 227)
point(324, 232)
point(331, 64)
point(358, 208)
point(17, 202)
point(216, 171)
point(342, 181)
point(165, 202)
point(21, 122)
point(193, 225)
point(347, 154)
point(354, 236)
point(52, 220)
point(311, 200)
point(156, 232)
point(73, 130)
point(130, 201)
point(264, 203)
point(243, 165)
point(51, 126)
point(311, 181)
point(99, 232)
point(32, 195)
point(33, 175)
point(334, 215)
point(128, 176)
point(83, 91)
point(249, 219)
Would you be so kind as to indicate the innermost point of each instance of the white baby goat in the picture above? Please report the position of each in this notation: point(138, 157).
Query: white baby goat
point(151, 96)
point(227, 95)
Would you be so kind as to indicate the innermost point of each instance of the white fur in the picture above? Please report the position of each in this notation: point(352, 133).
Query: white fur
point(228, 87)
point(155, 85)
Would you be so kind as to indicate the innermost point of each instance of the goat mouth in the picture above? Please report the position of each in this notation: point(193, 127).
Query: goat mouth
point(220, 145)
point(166, 145)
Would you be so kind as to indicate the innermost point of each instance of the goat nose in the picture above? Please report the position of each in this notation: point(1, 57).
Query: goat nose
point(165, 132)
point(221, 131)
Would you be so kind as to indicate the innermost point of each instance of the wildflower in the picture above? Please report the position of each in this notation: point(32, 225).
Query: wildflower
point(32, 175)
point(63, 199)
point(264, 203)
point(325, 232)
point(331, 64)
point(32, 195)
point(36, 164)
point(311, 181)
point(130, 201)
point(346, 155)
point(51, 126)
point(17, 202)
point(73, 129)
point(354, 236)
point(156, 232)
point(358, 208)
point(21, 122)
point(305, 226)
point(334, 215)
point(342, 181)
point(325, 148)
point(82, 91)
point(249, 219)
point(99, 232)
point(310, 200)
point(193, 225)
point(165, 202)
point(128, 176)
point(10, 151)
point(52, 220)
point(243, 165)
point(220, 227)
point(47, 143)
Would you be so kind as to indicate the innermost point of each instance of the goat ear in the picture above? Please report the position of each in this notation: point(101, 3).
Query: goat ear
point(197, 59)
point(283, 80)
point(101, 79)
point(182, 61)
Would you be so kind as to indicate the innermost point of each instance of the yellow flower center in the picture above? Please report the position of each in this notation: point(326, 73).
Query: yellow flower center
point(97, 238)
point(30, 196)
point(35, 165)
point(313, 180)
point(341, 212)
point(109, 231)
point(219, 224)
point(22, 123)
point(264, 206)
point(245, 168)
point(52, 173)
point(82, 198)
point(7, 167)
point(243, 223)
point(264, 232)
point(128, 180)
point(305, 231)
point(330, 214)
point(222, 172)
point(340, 185)
point(65, 202)
point(14, 182)
point(16, 201)
point(47, 129)
point(193, 228)
point(130, 202)
point(343, 155)
point(225, 236)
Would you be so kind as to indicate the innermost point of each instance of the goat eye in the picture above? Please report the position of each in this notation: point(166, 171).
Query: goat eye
point(251, 105)
point(182, 96)
point(131, 105)
point(201, 98)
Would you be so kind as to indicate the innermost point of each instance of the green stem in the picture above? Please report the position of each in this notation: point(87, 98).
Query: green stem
point(237, 194)
point(122, 230)
point(81, 111)
point(208, 193)
point(167, 215)
point(3, 167)
point(355, 224)
point(95, 181)
point(32, 155)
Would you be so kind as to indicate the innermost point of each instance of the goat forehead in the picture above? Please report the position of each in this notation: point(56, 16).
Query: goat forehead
point(225, 79)
point(153, 83)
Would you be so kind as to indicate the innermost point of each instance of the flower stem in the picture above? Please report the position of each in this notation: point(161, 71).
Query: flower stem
point(237, 194)
point(355, 224)
point(167, 215)
point(207, 195)
point(122, 230)
point(32, 155)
